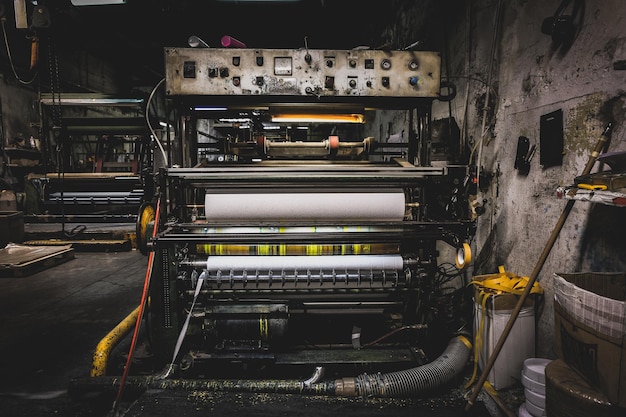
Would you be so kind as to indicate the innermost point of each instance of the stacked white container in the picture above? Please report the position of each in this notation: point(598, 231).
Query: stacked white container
point(534, 382)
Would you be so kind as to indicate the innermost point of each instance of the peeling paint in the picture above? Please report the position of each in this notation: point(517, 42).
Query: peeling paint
point(581, 124)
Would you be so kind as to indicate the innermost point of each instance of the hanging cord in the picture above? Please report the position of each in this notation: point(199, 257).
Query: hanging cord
point(468, 64)
point(6, 44)
point(183, 332)
point(57, 126)
point(142, 304)
point(483, 128)
point(154, 135)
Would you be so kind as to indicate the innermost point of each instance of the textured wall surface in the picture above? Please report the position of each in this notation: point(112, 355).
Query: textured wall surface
point(532, 76)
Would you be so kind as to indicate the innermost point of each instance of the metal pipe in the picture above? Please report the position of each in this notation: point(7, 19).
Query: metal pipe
point(315, 378)
point(106, 345)
point(533, 276)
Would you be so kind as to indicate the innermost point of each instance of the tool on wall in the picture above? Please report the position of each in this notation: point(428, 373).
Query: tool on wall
point(600, 144)
point(560, 26)
point(524, 155)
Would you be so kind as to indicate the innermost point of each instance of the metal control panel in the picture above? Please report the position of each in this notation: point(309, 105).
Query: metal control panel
point(302, 72)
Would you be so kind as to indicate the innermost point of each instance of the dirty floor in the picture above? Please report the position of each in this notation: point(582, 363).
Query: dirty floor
point(51, 321)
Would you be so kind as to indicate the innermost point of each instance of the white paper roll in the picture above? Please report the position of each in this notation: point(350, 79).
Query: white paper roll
point(379, 205)
point(304, 263)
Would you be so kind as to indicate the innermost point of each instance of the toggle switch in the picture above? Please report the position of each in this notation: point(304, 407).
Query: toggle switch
point(189, 69)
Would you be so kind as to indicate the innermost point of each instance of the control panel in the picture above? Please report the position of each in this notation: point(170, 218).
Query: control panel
point(302, 72)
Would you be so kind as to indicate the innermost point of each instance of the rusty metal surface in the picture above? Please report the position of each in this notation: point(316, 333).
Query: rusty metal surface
point(303, 73)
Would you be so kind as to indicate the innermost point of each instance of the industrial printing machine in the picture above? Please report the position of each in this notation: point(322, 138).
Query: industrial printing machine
point(289, 239)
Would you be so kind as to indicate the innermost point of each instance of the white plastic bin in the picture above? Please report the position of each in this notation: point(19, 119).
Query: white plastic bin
point(519, 346)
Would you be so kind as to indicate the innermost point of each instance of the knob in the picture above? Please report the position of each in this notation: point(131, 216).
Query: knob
point(352, 83)
point(385, 81)
point(385, 64)
point(352, 63)
point(308, 58)
point(413, 65)
point(329, 63)
point(414, 80)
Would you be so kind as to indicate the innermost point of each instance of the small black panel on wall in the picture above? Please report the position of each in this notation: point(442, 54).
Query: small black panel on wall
point(551, 139)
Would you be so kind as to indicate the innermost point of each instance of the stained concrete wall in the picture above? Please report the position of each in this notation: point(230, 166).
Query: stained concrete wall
point(531, 76)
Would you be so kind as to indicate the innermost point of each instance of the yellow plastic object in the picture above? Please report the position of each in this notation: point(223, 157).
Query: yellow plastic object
point(463, 256)
point(490, 285)
point(106, 345)
point(593, 187)
point(145, 221)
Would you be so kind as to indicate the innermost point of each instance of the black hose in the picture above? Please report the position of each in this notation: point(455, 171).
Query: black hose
point(414, 381)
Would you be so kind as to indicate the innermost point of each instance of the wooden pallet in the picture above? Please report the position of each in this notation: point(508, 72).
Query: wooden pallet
point(23, 260)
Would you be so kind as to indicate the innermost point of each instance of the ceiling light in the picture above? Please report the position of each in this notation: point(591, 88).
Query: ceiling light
point(236, 120)
point(209, 108)
point(96, 2)
point(318, 118)
point(259, 1)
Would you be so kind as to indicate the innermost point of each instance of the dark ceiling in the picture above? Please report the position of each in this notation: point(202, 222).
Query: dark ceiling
point(132, 35)
point(135, 33)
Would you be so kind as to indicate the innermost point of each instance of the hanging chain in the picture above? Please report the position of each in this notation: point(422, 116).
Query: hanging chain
point(55, 92)
point(55, 88)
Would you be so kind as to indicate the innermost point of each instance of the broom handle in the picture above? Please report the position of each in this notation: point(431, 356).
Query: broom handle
point(533, 277)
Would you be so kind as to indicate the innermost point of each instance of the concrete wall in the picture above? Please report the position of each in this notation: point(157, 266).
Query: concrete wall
point(532, 76)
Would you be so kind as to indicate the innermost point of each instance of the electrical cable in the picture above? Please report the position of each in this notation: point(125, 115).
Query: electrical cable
point(394, 331)
point(183, 331)
point(468, 59)
point(142, 304)
point(6, 43)
point(483, 129)
point(467, 77)
point(154, 135)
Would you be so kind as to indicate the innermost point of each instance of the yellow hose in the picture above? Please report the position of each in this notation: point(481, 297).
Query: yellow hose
point(106, 345)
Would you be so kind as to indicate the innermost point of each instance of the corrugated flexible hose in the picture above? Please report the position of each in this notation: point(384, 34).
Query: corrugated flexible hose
point(418, 380)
